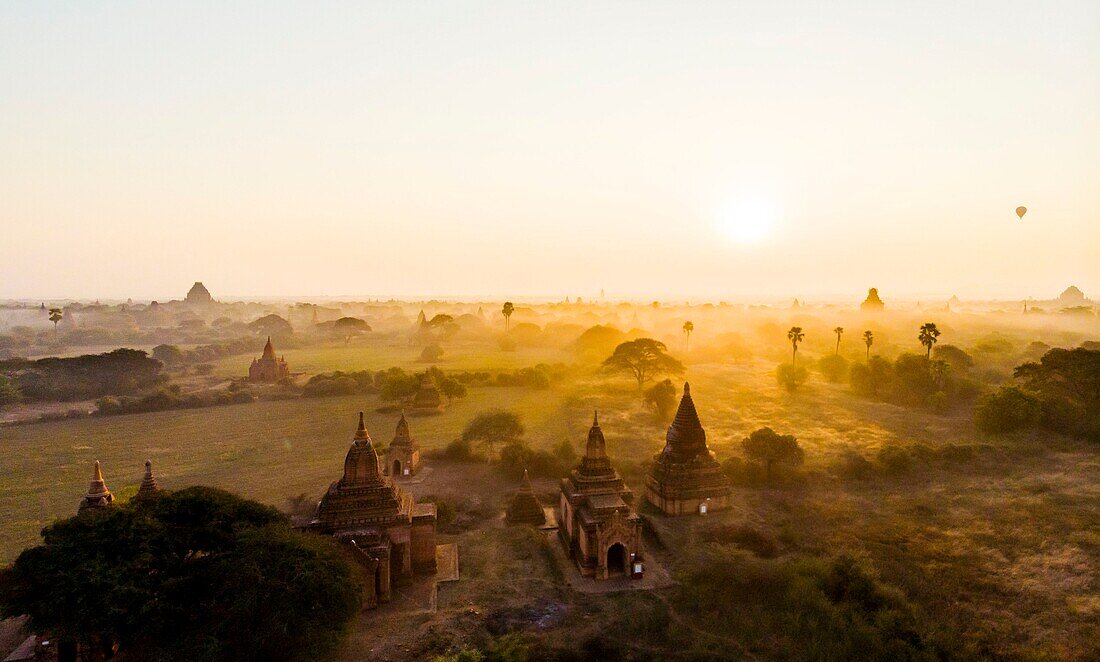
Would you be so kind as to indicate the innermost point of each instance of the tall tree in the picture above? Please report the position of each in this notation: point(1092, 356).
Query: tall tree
point(507, 311)
point(868, 339)
point(643, 359)
point(348, 327)
point(56, 314)
point(796, 336)
point(839, 331)
point(927, 337)
point(689, 326)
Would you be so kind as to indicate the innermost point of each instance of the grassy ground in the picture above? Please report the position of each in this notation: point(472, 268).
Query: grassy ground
point(376, 355)
point(1002, 534)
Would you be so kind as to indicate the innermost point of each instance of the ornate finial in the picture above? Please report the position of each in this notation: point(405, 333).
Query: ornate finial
point(595, 419)
point(361, 431)
point(687, 388)
point(98, 474)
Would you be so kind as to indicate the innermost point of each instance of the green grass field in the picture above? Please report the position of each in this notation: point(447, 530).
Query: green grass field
point(1011, 520)
point(376, 355)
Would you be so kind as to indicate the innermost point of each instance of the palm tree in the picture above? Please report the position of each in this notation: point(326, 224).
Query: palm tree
point(55, 316)
point(688, 328)
point(795, 335)
point(868, 339)
point(507, 310)
point(927, 336)
point(839, 331)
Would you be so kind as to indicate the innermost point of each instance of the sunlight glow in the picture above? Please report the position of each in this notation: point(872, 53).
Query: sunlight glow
point(748, 220)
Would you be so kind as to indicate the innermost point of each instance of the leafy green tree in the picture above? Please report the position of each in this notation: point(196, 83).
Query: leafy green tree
point(347, 327)
point(507, 311)
point(56, 315)
point(689, 326)
point(1068, 381)
point(396, 384)
point(643, 359)
point(493, 427)
point(839, 331)
point(199, 574)
point(868, 339)
point(795, 335)
point(271, 325)
point(927, 337)
point(1008, 409)
point(871, 378)
point(168, 354)
point(662, 397)
point(451, 388)
point(771, 448)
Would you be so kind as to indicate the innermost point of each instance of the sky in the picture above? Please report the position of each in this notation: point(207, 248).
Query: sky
point(677, 150)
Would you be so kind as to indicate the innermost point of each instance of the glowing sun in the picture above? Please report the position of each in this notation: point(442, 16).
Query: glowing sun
point(748, 220)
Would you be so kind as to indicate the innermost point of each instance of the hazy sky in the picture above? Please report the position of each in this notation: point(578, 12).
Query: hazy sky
point(687, 149)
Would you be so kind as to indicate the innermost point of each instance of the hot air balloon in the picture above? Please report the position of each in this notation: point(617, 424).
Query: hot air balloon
point(1020, 211)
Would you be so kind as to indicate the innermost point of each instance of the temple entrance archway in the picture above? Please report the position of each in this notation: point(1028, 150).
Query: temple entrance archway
point(616, 560)
point(396, 468)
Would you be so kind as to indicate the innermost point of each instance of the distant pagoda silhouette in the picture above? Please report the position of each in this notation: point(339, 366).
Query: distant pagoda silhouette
point(525, 507)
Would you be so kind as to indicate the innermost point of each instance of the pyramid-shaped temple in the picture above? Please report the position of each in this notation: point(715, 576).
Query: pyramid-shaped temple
point(598, 525)
point(389, 534)
point(525, 507)
point(685, 477)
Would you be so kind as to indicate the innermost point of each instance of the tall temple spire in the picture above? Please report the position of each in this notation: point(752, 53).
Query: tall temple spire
point(597, 445)
point(686, 434)
point(269, 349)
point(361, 431)
point(98, 495)
point(361, 463)
point(148, 483)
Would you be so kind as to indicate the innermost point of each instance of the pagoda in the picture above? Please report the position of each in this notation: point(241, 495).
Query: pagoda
point(387, 532)
point(598, 526)
point(403, 453)
point(872, 304)
point(525, 507)
point(427, 399)
point(268, 368)
point(98, 495)
point(685, 477)
point(148, 485)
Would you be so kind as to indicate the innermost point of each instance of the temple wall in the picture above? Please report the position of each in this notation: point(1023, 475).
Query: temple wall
point(422, 546)
point(686, 506)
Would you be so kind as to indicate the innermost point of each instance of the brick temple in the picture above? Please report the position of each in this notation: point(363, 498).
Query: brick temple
point(390, 535)
point(685, 477)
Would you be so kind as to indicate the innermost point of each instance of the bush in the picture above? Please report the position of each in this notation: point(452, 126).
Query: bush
point(460, 450)
point(1008, 409)
point(895, 459)
point(790, 377)
point(833, 367)
point(871, 378)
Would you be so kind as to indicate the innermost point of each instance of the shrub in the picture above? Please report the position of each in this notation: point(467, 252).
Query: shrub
point(1007, 409)
point(895, 459)
point(790, 377)
point(833, 367)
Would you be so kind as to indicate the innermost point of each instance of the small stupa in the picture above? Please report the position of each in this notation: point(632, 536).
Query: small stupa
point(872, 303)
point(98, 495)
point(427, 400)
point(148, 482)
point(525, 507)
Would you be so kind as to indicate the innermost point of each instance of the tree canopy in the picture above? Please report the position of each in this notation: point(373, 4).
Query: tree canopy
point(643, 359)
point(492, 427)
point(198, 574)
point(771, 448)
